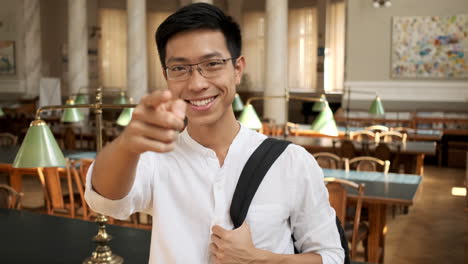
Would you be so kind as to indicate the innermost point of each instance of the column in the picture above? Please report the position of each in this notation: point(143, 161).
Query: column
point(235, 10)
point(276, 59)
point(32, 47)
point(203, 1)
point(78, 74)
point(137, 68)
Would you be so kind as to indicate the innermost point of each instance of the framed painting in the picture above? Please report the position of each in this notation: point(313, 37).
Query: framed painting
point(430, 47)
point(7, 57)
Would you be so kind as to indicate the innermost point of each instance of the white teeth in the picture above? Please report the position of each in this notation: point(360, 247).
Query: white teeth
point(202, 102)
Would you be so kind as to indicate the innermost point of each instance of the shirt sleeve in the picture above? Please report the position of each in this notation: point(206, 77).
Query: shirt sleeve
point(139, 199)
point(313, 220)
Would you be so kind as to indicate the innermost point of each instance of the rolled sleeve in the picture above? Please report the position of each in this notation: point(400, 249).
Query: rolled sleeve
point(139, 199)
point(313, 220)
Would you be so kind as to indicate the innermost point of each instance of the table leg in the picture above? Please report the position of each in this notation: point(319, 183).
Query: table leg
point(15, 180)
point(376, 239)
point(419, 164)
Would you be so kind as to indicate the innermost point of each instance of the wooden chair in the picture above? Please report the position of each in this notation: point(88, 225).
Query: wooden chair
point(364, 135)
point(403, 129)
point(355, 231)
point(57, 203)
point(366, 163)
point(10, 198)
point(7, 139)
point(393, 136)
point(328, 160)
point(377, 128)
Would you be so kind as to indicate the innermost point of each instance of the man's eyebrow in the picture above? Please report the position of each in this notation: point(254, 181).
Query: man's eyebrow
point(185, 60)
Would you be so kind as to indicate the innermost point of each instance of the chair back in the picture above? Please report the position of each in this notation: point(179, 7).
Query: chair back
point(10, 198)
point(377, 128)
point(367, 163)
point(393, 136)
point(403, 129)
point(52, 189)
point(337, 195)
point(79, 168)
point(327, 160)
point(7, 139)
point(364, 135)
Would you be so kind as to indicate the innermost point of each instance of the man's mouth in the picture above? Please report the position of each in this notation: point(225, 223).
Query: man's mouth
point(202, 102)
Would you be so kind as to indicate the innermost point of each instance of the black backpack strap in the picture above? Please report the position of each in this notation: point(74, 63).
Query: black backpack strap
point(252, 175)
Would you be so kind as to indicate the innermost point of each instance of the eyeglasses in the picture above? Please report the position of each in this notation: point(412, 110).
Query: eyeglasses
point(208, 69)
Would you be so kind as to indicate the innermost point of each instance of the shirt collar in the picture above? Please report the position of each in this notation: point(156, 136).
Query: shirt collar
point(235, 146)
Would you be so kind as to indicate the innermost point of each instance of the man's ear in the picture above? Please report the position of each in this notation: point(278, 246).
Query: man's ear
point(239, 67)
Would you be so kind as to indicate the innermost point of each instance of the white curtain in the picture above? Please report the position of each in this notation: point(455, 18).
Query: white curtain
point(113, 48)
point(253, 48)
point(155, 72)
point(302, 49)
point(335, 46)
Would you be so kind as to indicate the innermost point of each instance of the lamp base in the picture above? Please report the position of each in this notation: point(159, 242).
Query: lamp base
point(103, 254)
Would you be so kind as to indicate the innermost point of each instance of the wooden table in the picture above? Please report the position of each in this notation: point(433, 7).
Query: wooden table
point(414, 151)
point(8, 154)
point(381, 190)
point(29, 237)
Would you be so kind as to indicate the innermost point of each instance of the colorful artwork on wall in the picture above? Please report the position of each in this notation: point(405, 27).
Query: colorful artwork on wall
point(430, 47)
point(7, 57)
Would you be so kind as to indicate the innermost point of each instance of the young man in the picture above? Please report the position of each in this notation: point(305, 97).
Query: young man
point(186, 181)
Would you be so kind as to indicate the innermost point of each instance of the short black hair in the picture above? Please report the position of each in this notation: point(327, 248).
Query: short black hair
point(199, 16)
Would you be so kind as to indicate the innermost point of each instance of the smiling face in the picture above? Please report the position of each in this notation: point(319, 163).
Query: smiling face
point(209, 100)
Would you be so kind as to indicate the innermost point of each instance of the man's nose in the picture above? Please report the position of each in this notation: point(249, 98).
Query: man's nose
point(196, 81)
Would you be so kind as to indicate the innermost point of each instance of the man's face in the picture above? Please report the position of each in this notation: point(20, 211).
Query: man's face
point(209, 99)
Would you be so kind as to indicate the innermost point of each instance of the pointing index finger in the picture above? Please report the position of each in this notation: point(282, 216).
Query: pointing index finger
point(156, 98)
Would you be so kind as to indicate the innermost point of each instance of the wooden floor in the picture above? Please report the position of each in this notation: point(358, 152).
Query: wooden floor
point(434, 230)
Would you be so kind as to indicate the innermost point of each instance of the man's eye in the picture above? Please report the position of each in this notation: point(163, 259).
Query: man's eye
point(178, 68)
point(213, 64)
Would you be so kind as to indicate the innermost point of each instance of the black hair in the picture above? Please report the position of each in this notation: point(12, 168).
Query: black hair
point(199, 16)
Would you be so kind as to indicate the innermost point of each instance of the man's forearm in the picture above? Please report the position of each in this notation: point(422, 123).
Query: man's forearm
point(265, 257)
point(114, 171)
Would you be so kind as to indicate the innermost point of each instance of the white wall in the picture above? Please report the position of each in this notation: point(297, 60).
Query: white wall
point(368, 52)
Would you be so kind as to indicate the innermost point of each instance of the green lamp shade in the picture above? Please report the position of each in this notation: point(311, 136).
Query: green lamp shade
point(1, 112)
point(39, 148)
point(237, 104)
point(82, 99)
point(325, 123)
point(122, 99)
point(125, 117)
point(319, 106)
point(71, 115)
point(377, 108)
point(249, 118)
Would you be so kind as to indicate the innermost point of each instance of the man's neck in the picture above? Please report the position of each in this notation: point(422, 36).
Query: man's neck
point(217, 137)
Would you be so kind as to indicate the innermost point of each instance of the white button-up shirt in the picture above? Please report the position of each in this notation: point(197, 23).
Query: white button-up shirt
point(187, 192)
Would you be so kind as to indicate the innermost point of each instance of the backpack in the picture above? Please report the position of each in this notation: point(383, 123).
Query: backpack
point(252, 175)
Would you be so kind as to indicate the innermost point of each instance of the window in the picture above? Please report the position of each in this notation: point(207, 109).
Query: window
point(335, 43)
point(253, 43)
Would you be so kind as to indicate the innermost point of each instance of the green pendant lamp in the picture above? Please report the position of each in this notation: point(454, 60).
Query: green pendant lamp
point(377, 108)
point(325, 122)
point(126, 115)
point(1, 112)
point(249, 118)
point(121, 99)
point(319, 106)
point(237, 104)
point(82, 99)
point(72, 115)
point(39, 148)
